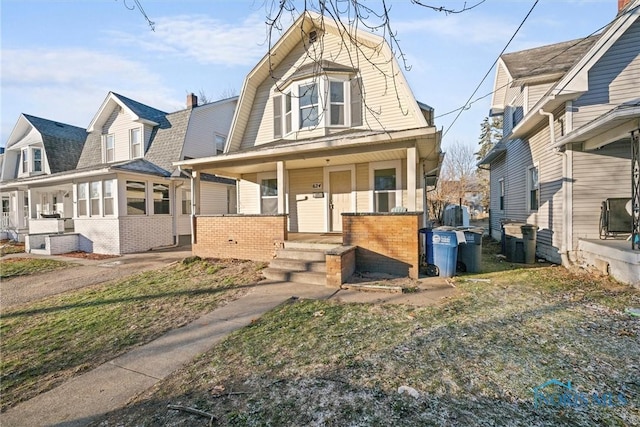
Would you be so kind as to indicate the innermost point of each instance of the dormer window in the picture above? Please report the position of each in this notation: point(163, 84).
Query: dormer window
point(136, 143)
point(332, 101)
point(25, 160)
point(37, 160)
point(308, 102)
point(109, 148)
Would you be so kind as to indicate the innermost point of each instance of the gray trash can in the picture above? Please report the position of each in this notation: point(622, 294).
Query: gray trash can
point(520, 242)
point(470, 253)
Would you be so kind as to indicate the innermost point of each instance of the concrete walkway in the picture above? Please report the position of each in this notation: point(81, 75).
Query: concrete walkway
point(85, 398)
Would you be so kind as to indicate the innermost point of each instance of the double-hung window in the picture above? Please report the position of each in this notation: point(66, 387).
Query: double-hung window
point(37, 160)
point(502, 193)
point(25, 160)
point(533, 188)
point(94, 194)
point(337, 103)
point(269, 196)
point(385, 181)
point(107, 197)
point(136, 143)
point(109, 148)
point(186, 201)
point(308, 102)
point(83, 192)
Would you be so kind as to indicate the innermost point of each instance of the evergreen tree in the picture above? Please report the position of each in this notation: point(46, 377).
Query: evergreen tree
point(490, 134)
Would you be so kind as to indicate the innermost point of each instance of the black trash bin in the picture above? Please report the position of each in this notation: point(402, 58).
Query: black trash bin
point(520, 242)
point(470, 253)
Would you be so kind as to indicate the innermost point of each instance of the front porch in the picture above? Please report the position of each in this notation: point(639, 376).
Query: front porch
point(613, 257)
point(369, 242)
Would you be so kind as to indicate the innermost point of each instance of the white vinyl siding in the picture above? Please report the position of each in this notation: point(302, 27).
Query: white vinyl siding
point(536, 92)
point(306, 212)
point(613, 79)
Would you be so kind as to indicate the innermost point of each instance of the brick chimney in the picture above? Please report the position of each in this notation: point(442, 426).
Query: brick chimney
point(192, 100)
point(622, 4)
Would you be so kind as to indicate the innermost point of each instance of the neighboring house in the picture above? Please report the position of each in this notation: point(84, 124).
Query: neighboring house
point(571, 123)
point(37, 148)
point(326, 128)
point(122, 194)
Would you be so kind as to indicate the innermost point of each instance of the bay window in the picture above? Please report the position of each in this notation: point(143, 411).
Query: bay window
point(308, 102)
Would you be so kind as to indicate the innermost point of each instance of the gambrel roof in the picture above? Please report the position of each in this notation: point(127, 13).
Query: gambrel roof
point(62, 142)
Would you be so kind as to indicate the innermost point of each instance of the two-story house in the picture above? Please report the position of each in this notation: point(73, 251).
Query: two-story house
point(122, 194)
point(326, 130)
point(571, 132)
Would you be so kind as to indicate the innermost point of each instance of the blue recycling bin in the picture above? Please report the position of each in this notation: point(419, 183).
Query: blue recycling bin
point(442, 253)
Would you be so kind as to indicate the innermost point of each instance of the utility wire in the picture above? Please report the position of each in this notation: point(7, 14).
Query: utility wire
point(466, 104)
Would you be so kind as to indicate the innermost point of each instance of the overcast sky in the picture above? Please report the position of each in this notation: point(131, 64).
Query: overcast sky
point(60, 58)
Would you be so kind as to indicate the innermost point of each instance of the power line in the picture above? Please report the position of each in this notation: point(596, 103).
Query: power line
point(469, 103)
point(466, 104)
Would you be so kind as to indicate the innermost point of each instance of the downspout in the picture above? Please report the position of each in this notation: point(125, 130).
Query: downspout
point(564, 251)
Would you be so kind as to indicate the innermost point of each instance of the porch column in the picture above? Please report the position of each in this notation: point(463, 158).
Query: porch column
point(195, 203)
point(635, 189)
point(411, 179)
point(280, 175)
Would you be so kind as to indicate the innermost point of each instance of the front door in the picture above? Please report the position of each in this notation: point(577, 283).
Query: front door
point(339, 198)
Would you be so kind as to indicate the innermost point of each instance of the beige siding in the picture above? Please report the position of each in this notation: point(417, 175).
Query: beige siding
point(249, 201)
point(213, 198)
point(613, 80)
point(598, 175)
point(362, 187)
point(306, 213)
point(536, 92)
point(119, 124)
point(380, 96)
point(501, 85)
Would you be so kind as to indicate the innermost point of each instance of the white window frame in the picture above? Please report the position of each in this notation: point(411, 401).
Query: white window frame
point(106, 197)
point(346, 101)
point(502, 192)
point(164, 200)
point(106, 149)
point(25, 160)
point(82, 201)
point(531, 188)
point(146, 197)
point(95, 197)
point(391, 164)
point(186, 201)
point(133, 144)
point(219, 141)
point(261, 177)
point(317, 105)
point(33, 156)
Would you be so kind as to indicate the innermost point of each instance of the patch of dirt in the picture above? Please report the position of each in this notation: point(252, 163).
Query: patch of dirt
point(11, 260)
point(10, 247)
point(92, 256)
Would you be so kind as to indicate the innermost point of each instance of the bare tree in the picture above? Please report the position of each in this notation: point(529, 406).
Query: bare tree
point(458, 176)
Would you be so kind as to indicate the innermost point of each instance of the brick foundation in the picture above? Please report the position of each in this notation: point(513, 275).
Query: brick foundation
point(387, 242)
point(341, 264)
point(252, 237)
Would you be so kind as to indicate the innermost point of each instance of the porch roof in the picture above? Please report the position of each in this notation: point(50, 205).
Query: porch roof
point(343, 148)
point(611, 126)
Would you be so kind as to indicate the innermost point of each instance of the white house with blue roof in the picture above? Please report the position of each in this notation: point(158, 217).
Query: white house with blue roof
point(121, 192)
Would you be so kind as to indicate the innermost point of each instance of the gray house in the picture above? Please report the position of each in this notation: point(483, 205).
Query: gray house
point(569, 159)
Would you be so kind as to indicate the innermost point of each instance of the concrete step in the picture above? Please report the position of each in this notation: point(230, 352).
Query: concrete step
point(312, 246)
point(306, 277)
point(301, 254)
point(298, 265)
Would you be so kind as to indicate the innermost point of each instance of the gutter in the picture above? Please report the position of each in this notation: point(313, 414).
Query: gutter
point(566, 182)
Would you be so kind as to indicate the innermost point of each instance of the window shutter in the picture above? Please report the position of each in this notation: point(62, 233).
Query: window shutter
point(277, 116)
point(356, 102)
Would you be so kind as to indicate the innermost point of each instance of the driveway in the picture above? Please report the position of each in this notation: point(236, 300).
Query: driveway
point(22, 289)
